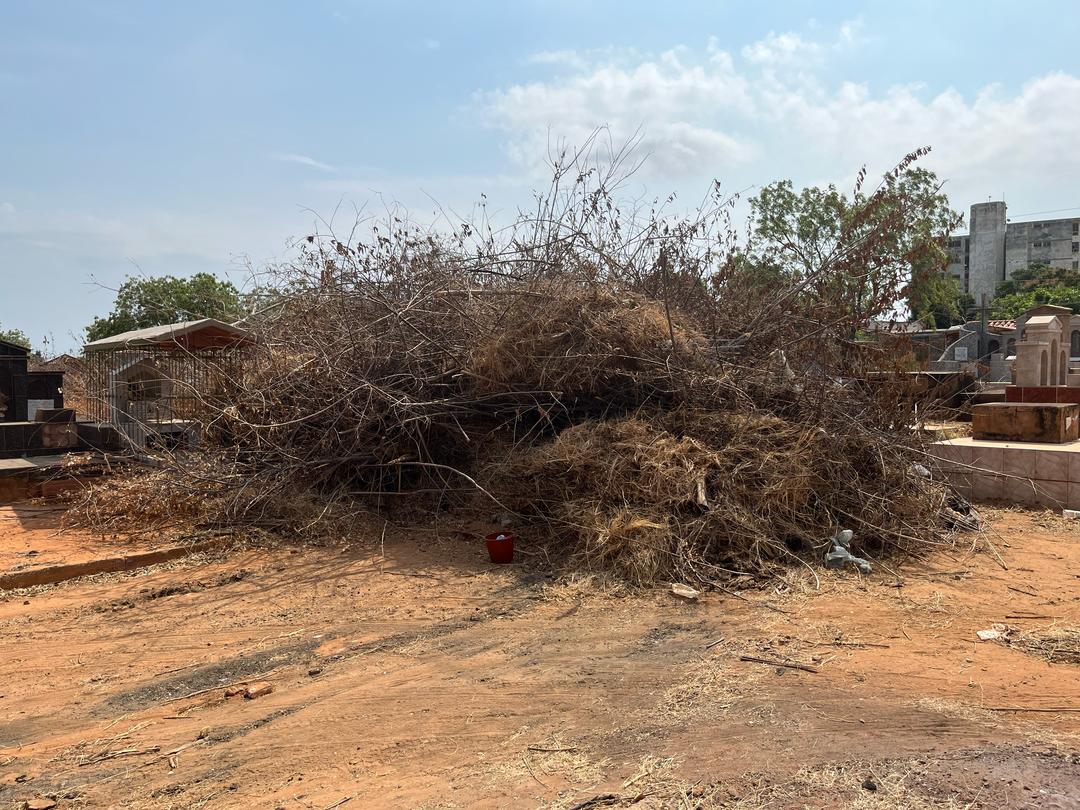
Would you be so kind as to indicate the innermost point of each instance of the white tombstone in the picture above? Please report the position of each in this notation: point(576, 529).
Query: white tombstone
point(1042, 354)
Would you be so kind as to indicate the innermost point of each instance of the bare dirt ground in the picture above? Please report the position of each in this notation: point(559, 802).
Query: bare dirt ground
point(412, 673)
point(29, 540)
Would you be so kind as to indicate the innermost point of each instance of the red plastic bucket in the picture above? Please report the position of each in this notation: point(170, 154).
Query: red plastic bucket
point(500, 551)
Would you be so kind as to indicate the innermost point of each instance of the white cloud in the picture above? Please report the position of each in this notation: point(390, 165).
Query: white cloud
point(989, 144)
point(779, 49)
point(7, 208)
point(568, 58)
point(850, 32)
point(775, 111)
point(431, 44)
point(671, 98)
point(790, 50)
point(303, 160)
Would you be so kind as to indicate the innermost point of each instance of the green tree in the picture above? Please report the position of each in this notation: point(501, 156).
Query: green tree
point(16, 336)
point(858, 248)
point(1038, 275)
point(937, 300)
point(1034, 285)
point(144, 302)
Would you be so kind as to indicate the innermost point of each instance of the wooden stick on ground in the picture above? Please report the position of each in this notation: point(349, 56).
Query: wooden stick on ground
point(127, 752)
point(549, 750)
point(774, 663)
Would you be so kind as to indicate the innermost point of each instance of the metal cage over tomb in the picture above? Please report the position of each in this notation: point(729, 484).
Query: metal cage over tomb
point(154, 384)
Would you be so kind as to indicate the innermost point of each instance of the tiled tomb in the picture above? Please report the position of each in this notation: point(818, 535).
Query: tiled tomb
point(1018, 472)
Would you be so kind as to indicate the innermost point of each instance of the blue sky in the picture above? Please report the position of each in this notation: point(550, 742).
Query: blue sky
point(159, 137)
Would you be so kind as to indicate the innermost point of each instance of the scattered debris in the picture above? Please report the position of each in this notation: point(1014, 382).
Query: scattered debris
point(551, 750)
point(685, 591)
point(1056, 645)
point(840, 555)
point(600, 800)
point(338, 803)
point(1021, 590)
point(772, 662)
point(127, 752)
point(869, 784)
point(257, 690)
point(956, 520)
point(993, 634)
point(642, 405)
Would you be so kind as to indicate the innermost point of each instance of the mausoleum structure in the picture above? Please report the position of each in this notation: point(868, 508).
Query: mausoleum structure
point(1026, 449)
point(23, 392)
point(152, 384)
point(1041, 359)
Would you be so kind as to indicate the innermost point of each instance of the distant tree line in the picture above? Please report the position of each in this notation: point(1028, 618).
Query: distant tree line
point(156, 301)
point(792, 233)
point(1035, 285)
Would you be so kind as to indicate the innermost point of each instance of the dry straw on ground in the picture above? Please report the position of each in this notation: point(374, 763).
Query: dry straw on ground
point(1056, 645)
point(635, 389)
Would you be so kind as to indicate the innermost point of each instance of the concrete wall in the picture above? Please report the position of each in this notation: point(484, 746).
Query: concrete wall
point(1049, 242)
point(958, 259)
point(986, 268)
point(995, 249)
point(1000, 369)
point(1016, 472)
point(968, 340)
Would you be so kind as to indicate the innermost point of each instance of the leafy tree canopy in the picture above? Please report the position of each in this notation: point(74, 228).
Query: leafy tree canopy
point(938, 300)
point(1038, 275)
point(15, 336)
point(1035, 285)
point(797, 234)
point(144, 302)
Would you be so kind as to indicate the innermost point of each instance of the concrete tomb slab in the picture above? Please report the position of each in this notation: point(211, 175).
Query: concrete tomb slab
point(1052, 422)
point(1031, 473)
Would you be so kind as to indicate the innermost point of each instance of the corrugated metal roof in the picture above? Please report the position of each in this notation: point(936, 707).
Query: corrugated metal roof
point(171, 333)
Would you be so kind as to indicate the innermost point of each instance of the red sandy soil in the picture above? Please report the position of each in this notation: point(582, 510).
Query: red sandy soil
point(413, 673)
point(31, 538)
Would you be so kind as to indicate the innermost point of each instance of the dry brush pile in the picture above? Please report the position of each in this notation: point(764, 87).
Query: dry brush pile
point(636, 390)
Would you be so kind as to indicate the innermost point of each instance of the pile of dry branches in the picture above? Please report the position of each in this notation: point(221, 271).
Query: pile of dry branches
point(631, 387)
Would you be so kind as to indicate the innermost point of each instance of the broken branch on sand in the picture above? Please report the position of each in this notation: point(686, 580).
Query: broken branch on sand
point(772, 662)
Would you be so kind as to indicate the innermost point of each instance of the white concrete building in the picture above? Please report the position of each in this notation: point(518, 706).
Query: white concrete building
point(995, 248)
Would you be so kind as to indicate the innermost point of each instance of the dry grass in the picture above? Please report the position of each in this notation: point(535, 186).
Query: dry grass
point(603, 344)
point(577, 586)
point(707, 689)
point(657, 784)
point(957, 709)
point(654, 784)
point(839, 785)
point(720, 683)
point(692, 494)
point(629, 388)
point(553, 762)
point(937, 611)
point(1055, 645)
